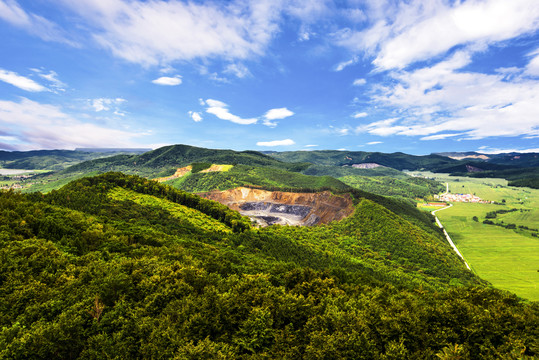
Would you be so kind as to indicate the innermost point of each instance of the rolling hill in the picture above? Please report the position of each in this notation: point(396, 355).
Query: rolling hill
point(55, 159)
point(119, 266)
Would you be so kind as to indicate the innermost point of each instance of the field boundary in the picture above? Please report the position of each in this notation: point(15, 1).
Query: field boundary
point(438, 222)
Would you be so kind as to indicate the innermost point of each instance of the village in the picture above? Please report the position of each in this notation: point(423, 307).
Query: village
point(469, 198)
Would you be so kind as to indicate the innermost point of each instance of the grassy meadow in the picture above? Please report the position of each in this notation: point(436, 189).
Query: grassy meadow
point(508, 258)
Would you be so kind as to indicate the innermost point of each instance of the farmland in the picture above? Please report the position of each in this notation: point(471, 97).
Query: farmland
point(505, 256)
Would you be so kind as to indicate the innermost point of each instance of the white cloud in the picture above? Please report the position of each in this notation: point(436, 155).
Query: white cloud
point(238, 70)
point(359, 82)
point(159, 32)
point(419, 30)
point(443, 101)
point(276, 114)
point(104, 104)
point(533, 65)
point(440, 136)
point(280, 113)
point(311, 146)
point(374, 143)
point(52, 78)
point(486, 150)
point(219, 109)
point(195, 116)
point(342, 65)
point(285, 142)
point(21, 82)
point(42, 126)
point(168, 81)
point(36, 25)
point(360, 115)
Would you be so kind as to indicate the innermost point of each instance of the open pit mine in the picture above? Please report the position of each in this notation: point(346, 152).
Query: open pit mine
point(284, 208)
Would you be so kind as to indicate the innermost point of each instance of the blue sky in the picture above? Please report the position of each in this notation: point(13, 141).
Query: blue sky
point(361, 75)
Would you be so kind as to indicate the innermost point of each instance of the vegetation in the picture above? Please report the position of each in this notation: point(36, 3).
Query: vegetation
point(176, 156)
point(405, 187)
point(398, 160)
point(522, 177)
point(117, 266)
point(341, 171)
point(505, 255)
point(263, 177)
point(48, 159)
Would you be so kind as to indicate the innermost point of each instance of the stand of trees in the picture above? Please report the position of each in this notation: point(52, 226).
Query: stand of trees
point(92, 272)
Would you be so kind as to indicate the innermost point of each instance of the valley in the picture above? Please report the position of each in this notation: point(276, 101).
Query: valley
point(190, 251)
point(505, 251)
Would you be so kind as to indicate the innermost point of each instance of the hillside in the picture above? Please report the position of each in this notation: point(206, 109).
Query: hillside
point(165, 160)
point(121, 267)
point(54, 159)
point(264, 177)
point(398, 160)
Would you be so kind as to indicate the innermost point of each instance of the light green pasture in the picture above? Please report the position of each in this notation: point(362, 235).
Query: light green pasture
point(507, 259)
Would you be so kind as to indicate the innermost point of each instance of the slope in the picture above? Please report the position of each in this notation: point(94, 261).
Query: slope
point(165, 160)
point(53, 159)
point(117, 266)
point(268, 178)
point(398, 160)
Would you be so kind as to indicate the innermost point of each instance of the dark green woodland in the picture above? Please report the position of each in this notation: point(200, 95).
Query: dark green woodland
point(120, 267)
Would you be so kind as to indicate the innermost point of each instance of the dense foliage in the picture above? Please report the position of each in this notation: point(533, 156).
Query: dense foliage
point(48, 159)
point(407, 187)
point(532, 182)
point(176, 156)
point(398, 160)
point(341, 171)
point(265, 177)
point(119, 267)
point(524, 177)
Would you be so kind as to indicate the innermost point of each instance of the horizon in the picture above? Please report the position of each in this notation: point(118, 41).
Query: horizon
point(104, 150)
point(417, 77)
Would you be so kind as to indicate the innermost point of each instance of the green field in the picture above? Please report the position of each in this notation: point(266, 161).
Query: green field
point(508, 258)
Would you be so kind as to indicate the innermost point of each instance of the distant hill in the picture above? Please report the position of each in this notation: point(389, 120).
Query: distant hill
point(117, 266)
point(167, 159)
point(115, 150)
point(512, 159)
point(54, 159)
point(398, 160)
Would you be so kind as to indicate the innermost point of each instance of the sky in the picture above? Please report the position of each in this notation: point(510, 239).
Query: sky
point(415, 76)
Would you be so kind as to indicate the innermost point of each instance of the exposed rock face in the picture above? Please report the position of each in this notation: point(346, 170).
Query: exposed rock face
point(277, 207)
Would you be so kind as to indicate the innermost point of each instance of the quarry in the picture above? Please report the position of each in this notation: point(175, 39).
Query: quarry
point(284, 208)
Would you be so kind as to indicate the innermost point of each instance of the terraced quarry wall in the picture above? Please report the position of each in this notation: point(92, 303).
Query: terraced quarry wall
point(286, 208)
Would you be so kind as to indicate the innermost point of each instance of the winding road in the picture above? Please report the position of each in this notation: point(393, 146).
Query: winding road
point(447, 235)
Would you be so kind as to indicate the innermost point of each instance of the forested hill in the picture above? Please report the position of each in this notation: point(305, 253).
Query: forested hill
point(54, 159)
point(165, 160)
point(398, 160)
point(117, 266)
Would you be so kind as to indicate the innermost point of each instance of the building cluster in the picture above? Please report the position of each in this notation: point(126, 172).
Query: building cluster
point(12, 186)
point(461, 198)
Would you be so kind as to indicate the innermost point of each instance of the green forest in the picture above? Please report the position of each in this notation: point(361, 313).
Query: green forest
point(120, 267)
